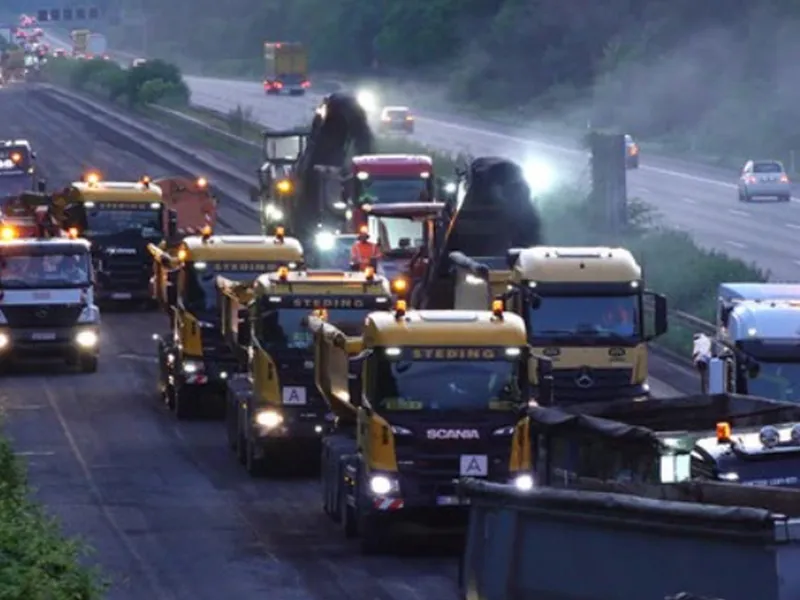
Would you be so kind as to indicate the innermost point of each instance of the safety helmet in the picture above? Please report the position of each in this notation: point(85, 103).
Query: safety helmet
point(363, 234)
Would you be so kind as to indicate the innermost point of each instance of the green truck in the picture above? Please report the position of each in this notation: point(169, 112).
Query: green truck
point(285, 68)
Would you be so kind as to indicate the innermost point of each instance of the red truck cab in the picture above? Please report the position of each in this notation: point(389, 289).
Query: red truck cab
point(379, 179)
point(192, 201)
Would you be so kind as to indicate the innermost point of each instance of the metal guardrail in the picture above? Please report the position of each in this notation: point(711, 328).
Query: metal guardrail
point(683, 319)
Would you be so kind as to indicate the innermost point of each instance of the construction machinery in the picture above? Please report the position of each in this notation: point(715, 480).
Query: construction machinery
point(194, 361)
point(585, 308)
point(12, 65)
point(47, 307)
point(120, 219)
point(755, 347)
point(421, 398)
point(190, 209)
point(276, 417)
point(80, 42)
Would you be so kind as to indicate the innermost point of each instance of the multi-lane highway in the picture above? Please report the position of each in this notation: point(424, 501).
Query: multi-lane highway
point(169, 511)
point(699, 199)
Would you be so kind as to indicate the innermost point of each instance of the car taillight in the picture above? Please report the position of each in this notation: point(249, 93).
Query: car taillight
point(306, 84)
point(784, 178)
point(277, 84)
point(751, 179)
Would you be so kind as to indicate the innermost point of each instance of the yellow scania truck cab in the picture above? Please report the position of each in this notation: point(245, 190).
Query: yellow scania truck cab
point(586, 309)
point(275, 406)
point(194, 360)
point(120, 219)
point(443, 395)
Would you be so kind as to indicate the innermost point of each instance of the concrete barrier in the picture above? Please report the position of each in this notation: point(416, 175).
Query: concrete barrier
point(576, 545)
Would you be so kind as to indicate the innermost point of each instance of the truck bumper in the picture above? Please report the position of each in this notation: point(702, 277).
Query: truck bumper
point(64, 342)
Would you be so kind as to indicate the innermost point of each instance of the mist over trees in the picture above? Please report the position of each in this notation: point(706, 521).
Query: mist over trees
point(711, 76)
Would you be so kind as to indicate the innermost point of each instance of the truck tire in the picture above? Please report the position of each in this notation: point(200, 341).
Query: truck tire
point(256, 467)
point(88, 364)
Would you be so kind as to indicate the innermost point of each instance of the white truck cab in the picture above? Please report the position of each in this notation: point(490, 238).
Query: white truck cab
point(47, 303)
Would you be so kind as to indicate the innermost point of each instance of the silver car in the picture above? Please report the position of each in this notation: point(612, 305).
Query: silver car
point(764, 179)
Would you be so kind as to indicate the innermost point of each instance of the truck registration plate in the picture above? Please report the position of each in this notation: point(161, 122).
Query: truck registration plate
point(121, 296)
point(43, 336)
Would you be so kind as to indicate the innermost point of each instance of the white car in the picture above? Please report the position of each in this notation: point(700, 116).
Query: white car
point(764, 179)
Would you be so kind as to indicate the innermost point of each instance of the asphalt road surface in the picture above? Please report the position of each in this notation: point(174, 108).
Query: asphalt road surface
point(167, 508)
point(170, 512)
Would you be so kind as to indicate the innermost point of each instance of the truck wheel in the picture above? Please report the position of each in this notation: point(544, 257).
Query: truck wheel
point(184, 408)
point(87, 364)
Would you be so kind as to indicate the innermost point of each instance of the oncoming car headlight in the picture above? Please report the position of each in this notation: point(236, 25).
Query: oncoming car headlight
point(325, 241)
point(268, 419)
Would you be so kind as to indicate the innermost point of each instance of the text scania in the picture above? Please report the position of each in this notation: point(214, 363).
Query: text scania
point(453, 434)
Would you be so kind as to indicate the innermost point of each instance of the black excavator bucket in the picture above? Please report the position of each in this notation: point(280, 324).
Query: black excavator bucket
point(496, 213)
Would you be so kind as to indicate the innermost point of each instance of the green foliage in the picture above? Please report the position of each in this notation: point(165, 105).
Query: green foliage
point(155, 82)
point(38, 562)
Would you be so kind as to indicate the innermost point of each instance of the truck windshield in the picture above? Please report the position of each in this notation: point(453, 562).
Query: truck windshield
point(393, 190)
point(447, 385)
point(284, 327)
point(777, 381)
point(110, 221)
point(604, 318)
point(201, 295)
point(44, 271)
point(398, 238)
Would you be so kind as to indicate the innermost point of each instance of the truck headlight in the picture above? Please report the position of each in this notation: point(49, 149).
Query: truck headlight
point(89, 314)
point(381, 485)
point(87, 339)
point(269, 419)
point(325, 241)
point(273, 213)
point(4, 341)
point(192, 366)
point(523, 482)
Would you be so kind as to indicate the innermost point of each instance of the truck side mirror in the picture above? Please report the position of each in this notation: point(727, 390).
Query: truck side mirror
point(172, 224)
point(659, 324)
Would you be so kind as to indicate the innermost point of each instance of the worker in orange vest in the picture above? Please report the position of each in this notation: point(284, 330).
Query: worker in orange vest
point(363, 253)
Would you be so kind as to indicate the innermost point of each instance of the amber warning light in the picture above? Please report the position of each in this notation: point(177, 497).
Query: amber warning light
point(723, 432)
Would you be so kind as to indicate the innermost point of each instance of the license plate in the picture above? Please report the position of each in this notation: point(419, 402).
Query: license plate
point(121, 296)
point(451, 501)
point(43, 336)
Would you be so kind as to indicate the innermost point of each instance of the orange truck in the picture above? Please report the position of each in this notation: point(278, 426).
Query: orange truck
point(190, 208)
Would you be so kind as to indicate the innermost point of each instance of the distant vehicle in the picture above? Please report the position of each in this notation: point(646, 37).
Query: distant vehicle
point(764, 179)
point(285, 68)
point(138, 62)
point(396, 119)
point(60, 53)
point(97, 46)
point(631, 153)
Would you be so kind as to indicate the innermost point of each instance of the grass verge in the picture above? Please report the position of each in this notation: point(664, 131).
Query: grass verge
point(39, 562)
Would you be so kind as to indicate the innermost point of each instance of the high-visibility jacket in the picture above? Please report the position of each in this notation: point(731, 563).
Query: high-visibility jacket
point(362, 253)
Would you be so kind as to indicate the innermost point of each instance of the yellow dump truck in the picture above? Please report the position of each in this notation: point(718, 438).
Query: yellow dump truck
point(584, 308)
point(193, 359)
point(438, 395)
point(285, 68)
point(274, 413)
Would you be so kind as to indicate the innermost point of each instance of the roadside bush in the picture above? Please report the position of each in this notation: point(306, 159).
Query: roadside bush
point(153, 82)
point(38, 563)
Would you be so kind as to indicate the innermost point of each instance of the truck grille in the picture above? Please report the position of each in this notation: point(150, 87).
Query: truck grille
point(124, 273)
point(590, 382)
point(43, 315)
point(214, 345)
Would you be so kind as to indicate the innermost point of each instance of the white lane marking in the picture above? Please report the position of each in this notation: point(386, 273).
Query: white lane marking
point(689, 201)
point(25, 407)
point(735, 244)
point(34, 453)
point(797, 262)
point(793, 225)
point(738, 213)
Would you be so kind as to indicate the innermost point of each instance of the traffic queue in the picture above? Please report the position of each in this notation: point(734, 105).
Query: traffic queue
point(393, 379)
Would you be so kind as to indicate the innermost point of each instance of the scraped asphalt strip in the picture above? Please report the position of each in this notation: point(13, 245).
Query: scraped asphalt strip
point(167, 508)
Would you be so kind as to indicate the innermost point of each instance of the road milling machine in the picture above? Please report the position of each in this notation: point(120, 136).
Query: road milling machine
point(422, 398)
point(275, 416)
point(756, 346)
point(194, 361)
point(296, 191)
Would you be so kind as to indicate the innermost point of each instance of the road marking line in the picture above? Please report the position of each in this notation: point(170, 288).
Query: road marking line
point(738, 213)
point(25, 407)
point(793, 226)
point(688, 201)
point(735, 244)
point(34, 453)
